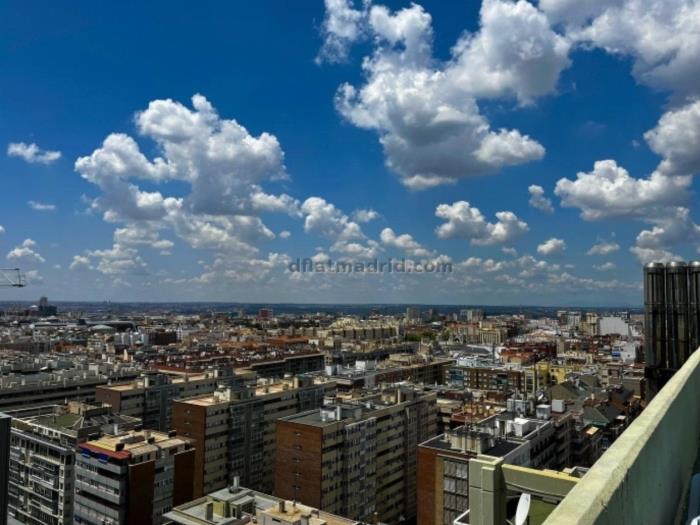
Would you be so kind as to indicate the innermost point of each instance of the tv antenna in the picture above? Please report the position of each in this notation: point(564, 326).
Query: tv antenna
point(12, 277)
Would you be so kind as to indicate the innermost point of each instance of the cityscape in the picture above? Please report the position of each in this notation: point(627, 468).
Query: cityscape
point(350, 262)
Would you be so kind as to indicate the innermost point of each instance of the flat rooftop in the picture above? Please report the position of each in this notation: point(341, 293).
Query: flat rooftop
point(136, 442)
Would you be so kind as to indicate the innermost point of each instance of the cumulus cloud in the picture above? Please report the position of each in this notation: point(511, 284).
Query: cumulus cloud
point(676, 138)
point(80, 263)
point(605, 267)
point(659, 35)
point(324, 219)
point(610, 191)
point(363, 216)
point(26, 251)
point(32, 153)
point(404, 242)
point(426, 113)
point(285, 234)
point(467, 222)
point(40, 206)
point(603, 248)
point(669, 231)
point(647, 255)
point(224, 166)
point(515, 51)
point(117, 260)
point(342, 25)
point(141, 234)
point(2, 229)
point(551, 246)
point(538, 199)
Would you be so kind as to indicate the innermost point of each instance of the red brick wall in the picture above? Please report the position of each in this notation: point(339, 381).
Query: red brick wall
point(189, 421)
point(299, 449)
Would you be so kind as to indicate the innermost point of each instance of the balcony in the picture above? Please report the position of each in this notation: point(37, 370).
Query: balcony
point(644, 476)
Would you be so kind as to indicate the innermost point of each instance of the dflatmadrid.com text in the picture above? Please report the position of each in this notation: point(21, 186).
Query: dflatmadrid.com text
point(308, 265)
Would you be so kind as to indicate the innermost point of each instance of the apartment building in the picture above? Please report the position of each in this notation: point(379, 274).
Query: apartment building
point(443, 461)
point(497, 378)
point(290, 364)
point(399, 367)
point(132, 478)
point(236, 504)
point(19, 391)
point(233, 429)
point(42, 457)
point(150, 396)
point(357, 459)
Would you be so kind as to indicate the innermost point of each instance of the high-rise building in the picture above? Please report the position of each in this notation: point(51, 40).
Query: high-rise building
point(132, 478)
point(42, 457)
point(672, 318)
point(150, 396)
point(357, 459)
point(443, 461)
point(4, 465)
point(233, 429)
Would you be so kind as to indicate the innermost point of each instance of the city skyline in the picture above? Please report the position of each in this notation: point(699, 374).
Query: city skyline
point(147, 166)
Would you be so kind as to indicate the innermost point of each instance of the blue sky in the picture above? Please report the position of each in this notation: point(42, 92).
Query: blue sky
point(567, 117)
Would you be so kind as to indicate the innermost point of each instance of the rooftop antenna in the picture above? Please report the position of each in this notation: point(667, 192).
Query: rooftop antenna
point(12, 277)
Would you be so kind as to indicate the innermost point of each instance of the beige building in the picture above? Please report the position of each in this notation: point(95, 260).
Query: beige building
point(241, 505)
point(150, 396)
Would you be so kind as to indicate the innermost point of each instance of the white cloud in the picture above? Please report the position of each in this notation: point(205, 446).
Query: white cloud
point(404, 242)
point(33, 276)
point(538, 199)
point(673, 229)
point(341, 27)
point(610, 191)
point(80, 263)
point(647, 255)
point(551, 246)
point(223, 164)
point(2, 229)
point(510, 251)
point(603, 248)
point(26, 251)
point(285, 234)
point(676, 138)
point(141, 234)
point(515, 51)
point(659, 35)
point(467, 222)
point(426, 114)
point(323, 218)
point(363, 216)
point(39, 206)
point(32, 153)
point(606, 267)
point(118, 260)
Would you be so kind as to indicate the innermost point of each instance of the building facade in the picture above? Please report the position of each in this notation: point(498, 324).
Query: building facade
point(42, 457)
point(233, 429)
point(356, 459)
point(133, 478)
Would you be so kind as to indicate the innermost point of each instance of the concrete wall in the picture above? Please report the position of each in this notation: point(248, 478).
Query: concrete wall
point(643, 476)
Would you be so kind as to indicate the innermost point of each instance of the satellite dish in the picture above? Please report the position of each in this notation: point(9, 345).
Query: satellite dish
point(523, 509)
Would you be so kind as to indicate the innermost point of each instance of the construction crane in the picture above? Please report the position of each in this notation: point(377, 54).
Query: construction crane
point(12, 277)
